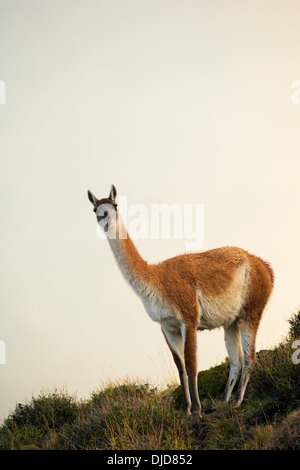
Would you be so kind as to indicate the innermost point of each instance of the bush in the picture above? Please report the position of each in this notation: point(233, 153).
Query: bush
point(128, 417)
point(286, 436)
point(30, 422)
point(294, 321)
point(46, 411)
point(275, 377)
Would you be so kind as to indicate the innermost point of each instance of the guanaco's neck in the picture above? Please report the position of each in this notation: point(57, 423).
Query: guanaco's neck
point(134, 268)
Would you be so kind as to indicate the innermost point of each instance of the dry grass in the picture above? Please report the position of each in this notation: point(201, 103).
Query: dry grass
point(286, 435)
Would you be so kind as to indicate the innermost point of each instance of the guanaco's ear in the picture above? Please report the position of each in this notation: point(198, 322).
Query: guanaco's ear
point(92, 198)
point(113, 193)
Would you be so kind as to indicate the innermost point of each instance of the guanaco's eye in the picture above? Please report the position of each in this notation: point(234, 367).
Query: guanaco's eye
point(105, 214)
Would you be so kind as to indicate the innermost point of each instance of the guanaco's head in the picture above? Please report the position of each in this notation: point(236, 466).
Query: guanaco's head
point(106, 209)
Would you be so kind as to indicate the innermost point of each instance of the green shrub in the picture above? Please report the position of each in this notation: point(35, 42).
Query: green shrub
point(30, 422)
point(130, 417)
point(276, 377)
point(294, 321)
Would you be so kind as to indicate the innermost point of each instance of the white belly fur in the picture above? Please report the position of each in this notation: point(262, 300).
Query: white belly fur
point(225, 309)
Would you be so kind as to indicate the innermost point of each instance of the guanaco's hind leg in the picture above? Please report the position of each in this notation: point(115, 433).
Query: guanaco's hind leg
point(248, 336)
point(233, 346)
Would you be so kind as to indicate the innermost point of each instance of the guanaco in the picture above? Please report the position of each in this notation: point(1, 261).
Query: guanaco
point(223, 287)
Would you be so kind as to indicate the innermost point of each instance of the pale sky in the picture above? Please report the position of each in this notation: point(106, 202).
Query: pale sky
point(172, 101)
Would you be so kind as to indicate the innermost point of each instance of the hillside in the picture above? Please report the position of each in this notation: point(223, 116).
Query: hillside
point(135, 416)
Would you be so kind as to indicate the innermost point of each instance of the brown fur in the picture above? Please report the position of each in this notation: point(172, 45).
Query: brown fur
point(212, 271)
